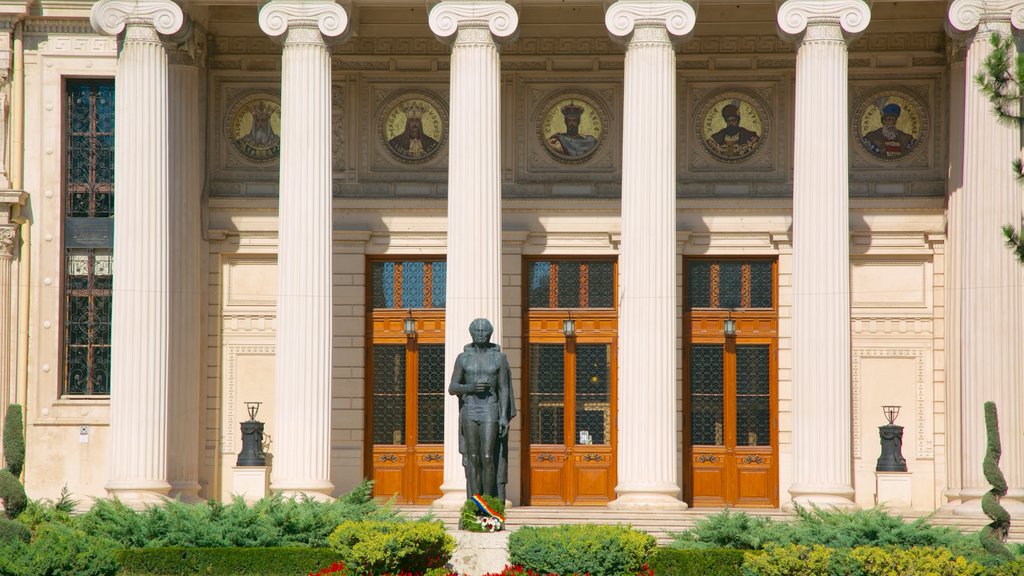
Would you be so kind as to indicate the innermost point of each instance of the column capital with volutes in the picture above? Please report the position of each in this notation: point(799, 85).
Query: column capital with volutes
point(278, 15)
point(111, 16)
point(966, 15)
point(498, 17)
point(797, 18)
point(625, 16)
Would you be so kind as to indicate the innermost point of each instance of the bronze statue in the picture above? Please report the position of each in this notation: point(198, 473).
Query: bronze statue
point(482, 382)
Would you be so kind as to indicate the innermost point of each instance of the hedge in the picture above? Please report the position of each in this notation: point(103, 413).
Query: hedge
point(697, 562)
point(593, 549)
point(224, 561)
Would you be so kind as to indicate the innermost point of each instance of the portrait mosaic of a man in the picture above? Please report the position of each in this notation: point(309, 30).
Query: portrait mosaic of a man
point(413, 127)
point(889, 125)
point(731, 128)
point(571, 128)
point(253, 126)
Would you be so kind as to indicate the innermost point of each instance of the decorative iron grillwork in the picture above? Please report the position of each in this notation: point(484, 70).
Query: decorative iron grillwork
point(571, 284)
point(753, 400)
point(408, 284)
point(593, 394)
point(389, 394)
point(547, 394)
point(88, 204)
point(706, 395)
point(430, 407)
point(730, 284)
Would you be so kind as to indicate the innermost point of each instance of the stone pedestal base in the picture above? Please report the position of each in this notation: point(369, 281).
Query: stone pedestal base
point(646, 501)
point(250, 482)
point(480, 553)
point(893, 490)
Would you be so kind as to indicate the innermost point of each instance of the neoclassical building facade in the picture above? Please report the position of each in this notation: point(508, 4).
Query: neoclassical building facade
point(714, 242)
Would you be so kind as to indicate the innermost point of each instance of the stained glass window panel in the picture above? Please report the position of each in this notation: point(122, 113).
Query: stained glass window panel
point(430, 409)
point(439, 282)
point(601, 281)
point(547, 394)
point(412, 284)
point(761, 285)
point(699, 279)
point(706, 395)
point(593, 394)
point(571, 284)
point(730, 282)
point(389, 394)
point(408, 284)
point(753, 399)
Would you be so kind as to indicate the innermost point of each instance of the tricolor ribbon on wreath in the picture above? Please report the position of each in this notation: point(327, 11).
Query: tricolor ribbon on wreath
point(492, 521)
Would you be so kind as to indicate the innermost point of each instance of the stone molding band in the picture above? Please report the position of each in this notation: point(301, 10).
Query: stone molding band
point(278, 15)
point(677, 16)
point(795, 15)
point(965, 15)
point(110, 16)
point(501, 19)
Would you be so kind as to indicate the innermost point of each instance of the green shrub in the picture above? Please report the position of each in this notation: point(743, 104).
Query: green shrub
point(1013, 568)
point(469, 514)
point(733, 530)
point(914, 562)
point(59, 551)
point(702, 562)
point(579, 549)
point(224, 561)
point(376, 547)
point(270, 522)
point(14, 440)
point(12, 494)
point(792, 560)
point(13, 530)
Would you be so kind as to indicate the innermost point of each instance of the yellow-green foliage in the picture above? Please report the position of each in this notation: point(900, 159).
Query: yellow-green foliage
point(792, 560)
point(914, 562)
point(592, 549)
point(374, 547)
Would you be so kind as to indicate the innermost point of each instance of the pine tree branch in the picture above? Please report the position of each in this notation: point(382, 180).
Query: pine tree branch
point(1015, 241)
point(1000, 81)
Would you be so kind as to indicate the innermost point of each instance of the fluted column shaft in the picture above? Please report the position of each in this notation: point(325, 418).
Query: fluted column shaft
point(648, 468)
point(990, 282)
point(8, 245)
point(139, 323)
point(473, 286)
point(186, 181)
point(822, 448)
point(302, 397)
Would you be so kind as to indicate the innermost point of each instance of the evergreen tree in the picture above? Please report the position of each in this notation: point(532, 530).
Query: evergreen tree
point(1001, 83)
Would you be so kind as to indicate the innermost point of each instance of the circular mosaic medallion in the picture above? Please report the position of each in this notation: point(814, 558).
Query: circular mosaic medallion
point(253, 126)
point(732, 126)
point(413, 126)
point(890, 124)
point(571, 127)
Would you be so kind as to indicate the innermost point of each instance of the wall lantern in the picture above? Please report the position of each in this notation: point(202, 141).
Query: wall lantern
point(729, 326)
point(569, 326)
point(409, 325)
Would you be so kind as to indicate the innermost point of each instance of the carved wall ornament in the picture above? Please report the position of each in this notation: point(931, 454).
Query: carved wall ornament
point(413, 126)
point(572, 127)
point(890, 125)
point(253, 126)
point(733, 126)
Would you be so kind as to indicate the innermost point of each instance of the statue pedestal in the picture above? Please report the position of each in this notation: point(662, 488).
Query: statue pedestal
point(250, 482)
point(893, 490)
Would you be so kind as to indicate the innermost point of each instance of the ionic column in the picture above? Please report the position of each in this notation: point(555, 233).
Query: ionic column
point(8, 247)
point(302, 393)
point(473, 288)
point(648, 468)
point(990, 279)
point(186, 183)
point(139, 323)
point(822, 451)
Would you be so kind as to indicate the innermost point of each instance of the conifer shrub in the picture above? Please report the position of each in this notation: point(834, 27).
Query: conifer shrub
point(11, 530)
point(697, 562)
point(993, 536)
point(378, 547)
point(14, 440)
point(581, 549)
point(12, 494)
point(58, 550)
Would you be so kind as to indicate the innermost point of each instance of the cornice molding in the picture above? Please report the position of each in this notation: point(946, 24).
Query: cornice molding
point(110, 16)
point(794, 16)
point(677, 16)
point(278, 15)
point(965, 15)
point(500, 18)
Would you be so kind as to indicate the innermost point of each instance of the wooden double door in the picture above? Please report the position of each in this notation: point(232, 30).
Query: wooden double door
point(730, 391)
point(570, 433)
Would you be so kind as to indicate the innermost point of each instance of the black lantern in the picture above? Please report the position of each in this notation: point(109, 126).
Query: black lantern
point(891, 437)
point(252, 439)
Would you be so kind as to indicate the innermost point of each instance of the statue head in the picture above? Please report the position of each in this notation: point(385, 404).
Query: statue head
point(481, 330)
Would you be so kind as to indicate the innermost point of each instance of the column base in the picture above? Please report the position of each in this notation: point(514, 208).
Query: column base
point(139, 495)
point(970, 503)
point(840, 497)
point(187, 492)
point(320, 491)
point(648, 498)
point(453, 497)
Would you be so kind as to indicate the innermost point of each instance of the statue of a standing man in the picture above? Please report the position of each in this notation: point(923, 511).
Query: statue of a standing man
point(482, 382)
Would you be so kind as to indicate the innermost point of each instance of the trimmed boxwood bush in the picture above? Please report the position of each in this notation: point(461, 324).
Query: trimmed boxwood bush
point(224, 561)
point(581, 549)
point(12, 494)
point(59, 550)
point(14, 440)
point(13, 530)
point(697, 562)
point(374, 547)
point(798, 560)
